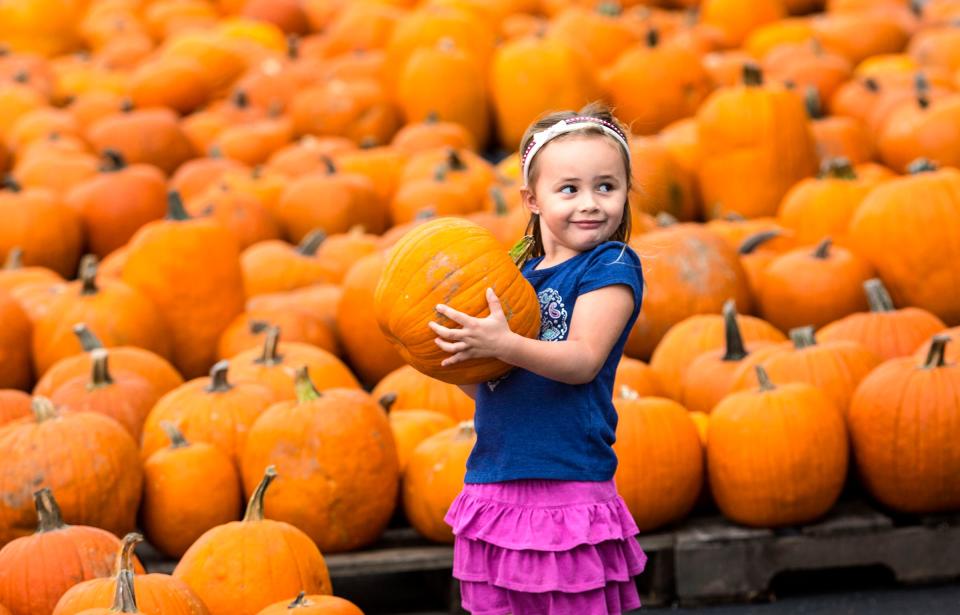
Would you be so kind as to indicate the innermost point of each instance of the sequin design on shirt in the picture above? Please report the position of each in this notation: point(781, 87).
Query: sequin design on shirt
point(553, 316)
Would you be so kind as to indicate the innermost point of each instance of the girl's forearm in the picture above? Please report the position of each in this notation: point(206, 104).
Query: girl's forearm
point(569, 361)
point(469, 389)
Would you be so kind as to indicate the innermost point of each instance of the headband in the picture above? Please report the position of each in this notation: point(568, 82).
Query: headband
point(541, 138)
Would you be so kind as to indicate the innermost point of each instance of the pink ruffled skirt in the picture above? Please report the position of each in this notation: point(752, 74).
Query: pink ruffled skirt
point(545, 547)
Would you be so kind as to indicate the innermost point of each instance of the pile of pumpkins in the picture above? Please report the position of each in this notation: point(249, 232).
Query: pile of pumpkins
point(199, 197)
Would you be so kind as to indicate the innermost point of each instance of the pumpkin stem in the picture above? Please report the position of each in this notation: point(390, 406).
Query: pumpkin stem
point(269, 356)
point(310, 243)
point(299, 601)
point(87, 273)
point(922, 165)
point(126, 105)
point(440, 173)
point(664, 219)
point(521, 250)
point(917, 7)
point(14, 259)
point(49, 517)
point(369, 142)
point(177, 439)
point(113, 161)
point(240, 99)
point(88, 339)
point(124, 600)
point(306, 390)
point(752, 75)
point(814, 105)
point(328, 163)
point(754, 241)
point(125, 558)
point(454, 161)
point(802, 337)
point(218, 378)
point(255, 505)
point(735, 350)
point(837, 168)
point(610, 9)
point(387, 401)
point(175, 208)
point(936, 356)
point(764, 379)
point(101, 371)
point(43, 409)
point(465, 430)
point(653, 37)
point(627, 393)
point(878, 297)
point(432, 118)
point(871, 84)
point(293, 46)
point(22, 76)
point(500, 206)
point(922, 86)
point(823, 248)
point(11, 184)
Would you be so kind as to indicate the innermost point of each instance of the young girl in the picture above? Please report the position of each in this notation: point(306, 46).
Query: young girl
point(540, 528)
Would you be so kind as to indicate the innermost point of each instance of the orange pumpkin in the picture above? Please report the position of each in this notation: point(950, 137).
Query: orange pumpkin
point(188, 488)
point(736, 19)
point(412, 390)
point(209, 565)
point(152, 136)
point(434, 264)
point(433, 478)
point(274, 266)
point(13, 405)
point(660, 469)
point(16, 370)
point(411, 427)
point(352, 489)
point(239, 211)
point(48, 232)
point(776, 455)
point(247, 330)
point(637, 376)
point(313, 605)
point(36, 570)
point(952, 352)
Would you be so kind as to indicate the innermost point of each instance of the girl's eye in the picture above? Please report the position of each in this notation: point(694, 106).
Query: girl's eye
point(606, 187)
point(568, 189)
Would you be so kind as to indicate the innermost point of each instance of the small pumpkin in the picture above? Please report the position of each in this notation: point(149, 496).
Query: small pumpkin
point(313, 605)
point(14, 404)
point(16, 370)
point(275, 266)
point(409, 389)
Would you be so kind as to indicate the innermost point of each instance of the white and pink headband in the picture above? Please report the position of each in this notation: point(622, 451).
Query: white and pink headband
point(541, 138)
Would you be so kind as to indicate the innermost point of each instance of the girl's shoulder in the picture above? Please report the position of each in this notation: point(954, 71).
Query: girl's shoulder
point(613, 253)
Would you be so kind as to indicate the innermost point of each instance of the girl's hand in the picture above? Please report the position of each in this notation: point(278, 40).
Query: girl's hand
point(477, 337)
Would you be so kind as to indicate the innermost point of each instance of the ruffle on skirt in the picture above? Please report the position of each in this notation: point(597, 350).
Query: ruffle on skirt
point(545, 547)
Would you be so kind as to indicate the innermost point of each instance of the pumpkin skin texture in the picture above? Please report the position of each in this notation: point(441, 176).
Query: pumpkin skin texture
point(56, 449)
point(16, 369)
point(36, 570)
point(919, 215)
point(197, 302)
point(450, 261)
point(637, 376)
point(49, 232)
point(189, 488)
point(313, 605)
point(412, 390)
point(352, 488)
point(210, 409)
point(776, 455)
point(156, 594)
point(903, 418)
point(269, 549)
point(13, 405)
point(411, 427)
point(888, 332)
point(433, 478)
point(660, 469)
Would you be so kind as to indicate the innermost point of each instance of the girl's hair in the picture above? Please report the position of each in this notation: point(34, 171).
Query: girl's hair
point(596, 110)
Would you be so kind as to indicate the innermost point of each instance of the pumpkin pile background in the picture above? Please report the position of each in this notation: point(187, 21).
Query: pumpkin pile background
point(197, 201)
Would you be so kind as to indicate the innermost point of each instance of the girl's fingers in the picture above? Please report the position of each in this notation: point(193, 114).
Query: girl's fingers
point(444, 332)
point(452, 314)
point(451, 347)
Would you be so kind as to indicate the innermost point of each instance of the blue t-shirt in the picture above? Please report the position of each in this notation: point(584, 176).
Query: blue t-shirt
point(529, 426)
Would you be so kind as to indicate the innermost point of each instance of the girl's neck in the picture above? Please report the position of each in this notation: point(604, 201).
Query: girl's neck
point(555, 255)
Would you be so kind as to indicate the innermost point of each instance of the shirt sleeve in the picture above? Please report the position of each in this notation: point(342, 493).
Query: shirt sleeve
point(613, 263)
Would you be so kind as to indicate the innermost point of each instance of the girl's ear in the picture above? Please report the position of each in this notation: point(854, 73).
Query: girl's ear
point(529, 200)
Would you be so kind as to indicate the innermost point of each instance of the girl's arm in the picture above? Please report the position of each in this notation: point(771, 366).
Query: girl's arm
point(598, 321)
point(469, 389)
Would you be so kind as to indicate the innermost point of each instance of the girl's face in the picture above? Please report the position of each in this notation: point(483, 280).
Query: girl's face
point(579, 193)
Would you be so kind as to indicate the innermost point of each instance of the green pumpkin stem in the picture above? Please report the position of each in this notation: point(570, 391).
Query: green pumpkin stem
point(43, 409)
point(440, 173)
point(124, 600)
point(218, 378)
point(936, 356)
point(14, 259)
point(49, 517)
point(921, 165)
point(311, 242)
point(802, 337)
point(100, 376)
point(922, 86)
point(387, 401)
point(752, 75)
point(88, 339)
point(270, 354)
point(837, 168)
point(917, 7)
point(754, 241)
point(627, 393)
point(735, 350)
point(664, 219)
point(500, 206)
point(125, 558)
point(175, 208)
point(812, 102)
point(177, 439)
point(466, 430)
point(306, 390)
point(822, 250)
point(764, 379)
point(87, 272)
point(878, 298)
point(113, 161)
point(521, 250)
point(255, 505)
